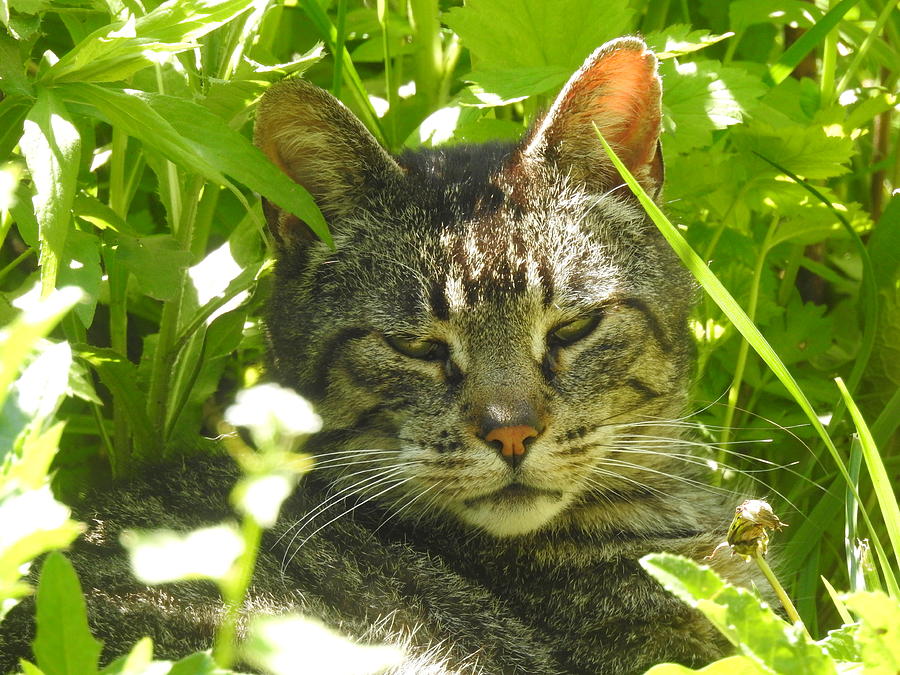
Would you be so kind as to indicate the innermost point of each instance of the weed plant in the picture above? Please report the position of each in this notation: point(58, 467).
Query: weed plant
point(134, 261)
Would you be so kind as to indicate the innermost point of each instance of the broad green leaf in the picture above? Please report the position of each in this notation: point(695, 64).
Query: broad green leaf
point(116, 51)
point(35, 395)
point(18, 339)
point(162, 556)
point(197, 664)
point(679, 39)
point(700, 97)
point(136, 662)
point(128, 111)
point(29, 668)
point(841, 643)
point(733, 665)
point(33, 522)
point(64, 644)
point(120, 376)
point(879, 634)
point(277, 644)
point(502, 86)
point(746, 621)
point(13, 81)
point(13, 110)
point(81, 268)
point(509, 34)
point(191, 136)
point(158, 262)
point(52, 149)
point(808, 151)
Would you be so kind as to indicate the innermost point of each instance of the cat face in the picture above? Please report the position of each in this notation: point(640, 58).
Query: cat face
point(492, 319)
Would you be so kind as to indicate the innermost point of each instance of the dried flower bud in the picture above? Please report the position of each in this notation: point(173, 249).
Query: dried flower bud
point(748, 532)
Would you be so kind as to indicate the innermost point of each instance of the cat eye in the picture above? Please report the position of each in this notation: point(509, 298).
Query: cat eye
point(426, 350)
point(573, 331)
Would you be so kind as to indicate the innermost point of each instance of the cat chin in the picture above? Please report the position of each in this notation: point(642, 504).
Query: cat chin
point(513, 518)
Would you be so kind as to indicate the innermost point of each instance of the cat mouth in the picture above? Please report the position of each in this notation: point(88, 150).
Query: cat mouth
point(512, 494)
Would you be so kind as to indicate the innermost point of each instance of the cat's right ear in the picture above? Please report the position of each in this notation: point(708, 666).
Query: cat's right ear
point(618, 90)
point(321, 145)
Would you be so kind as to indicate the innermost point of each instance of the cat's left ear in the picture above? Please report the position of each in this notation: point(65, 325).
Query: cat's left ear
point(618, 89)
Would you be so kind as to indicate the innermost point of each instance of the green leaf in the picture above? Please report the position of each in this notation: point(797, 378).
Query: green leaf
point(502, 86)
point(679, 39)
point(733, 665)
point(64, 644)
point(745, 13)
point(746, 621)
point(879, 635)
point(158, 262)
point(18, 338)
point(116, 51)
point(804, 150)
point(794, 54)
point(191, 136)
point(120, 376)
point(13, 80)
point(700, 97)
point(510, 34)
point(841, 643)
point(81, 268)
point(52, 149)
point(136, 662)
point(13, 110)
point(197, 664)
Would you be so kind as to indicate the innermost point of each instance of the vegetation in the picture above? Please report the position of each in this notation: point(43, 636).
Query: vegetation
point(128, 181)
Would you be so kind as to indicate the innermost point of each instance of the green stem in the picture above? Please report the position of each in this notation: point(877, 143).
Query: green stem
point(792, 613)
point(829, 63)
point(743, 350)
point(117, 280)
point(338, 76)
point(389, 90)
point(861, 53)
point(15, 263)
point(233, 591)
point(429, 57)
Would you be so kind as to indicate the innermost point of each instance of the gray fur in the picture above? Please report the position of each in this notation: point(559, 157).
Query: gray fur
point(408, 532)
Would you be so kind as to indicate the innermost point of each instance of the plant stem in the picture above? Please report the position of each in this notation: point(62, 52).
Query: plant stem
point(233, 591)
point(780, 592)
point(15, 263)
point(429, 59)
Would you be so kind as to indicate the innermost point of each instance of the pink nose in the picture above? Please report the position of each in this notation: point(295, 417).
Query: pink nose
point(512, 441)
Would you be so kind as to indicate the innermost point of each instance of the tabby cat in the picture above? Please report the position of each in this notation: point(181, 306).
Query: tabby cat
point(498, 347)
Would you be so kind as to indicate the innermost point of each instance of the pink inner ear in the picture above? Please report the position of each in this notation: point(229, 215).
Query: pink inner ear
point(620, 93)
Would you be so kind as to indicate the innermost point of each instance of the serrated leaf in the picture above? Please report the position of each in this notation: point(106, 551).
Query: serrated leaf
point(513, 34)
point(700, 97)
point(841, 644)
point(116, 51)
point(745, 13)
point(879, 634)
point(739, 615)
point(679, 39)
point(64, 644)
point(807, 151)
point(502, 86)
point(52, 148)
point(733, 665)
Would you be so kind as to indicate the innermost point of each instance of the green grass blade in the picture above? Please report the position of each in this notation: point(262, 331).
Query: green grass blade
point(329, 34)
point(794, 54)
point(881, 481)
point(746, 327)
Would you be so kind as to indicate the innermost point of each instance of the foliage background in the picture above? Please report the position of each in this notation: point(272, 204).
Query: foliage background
point(126, 171)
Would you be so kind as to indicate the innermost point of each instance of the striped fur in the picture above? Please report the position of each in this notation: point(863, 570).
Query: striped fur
point(413, 529)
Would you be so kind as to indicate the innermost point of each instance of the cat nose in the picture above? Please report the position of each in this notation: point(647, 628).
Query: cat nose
point(512, 441)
